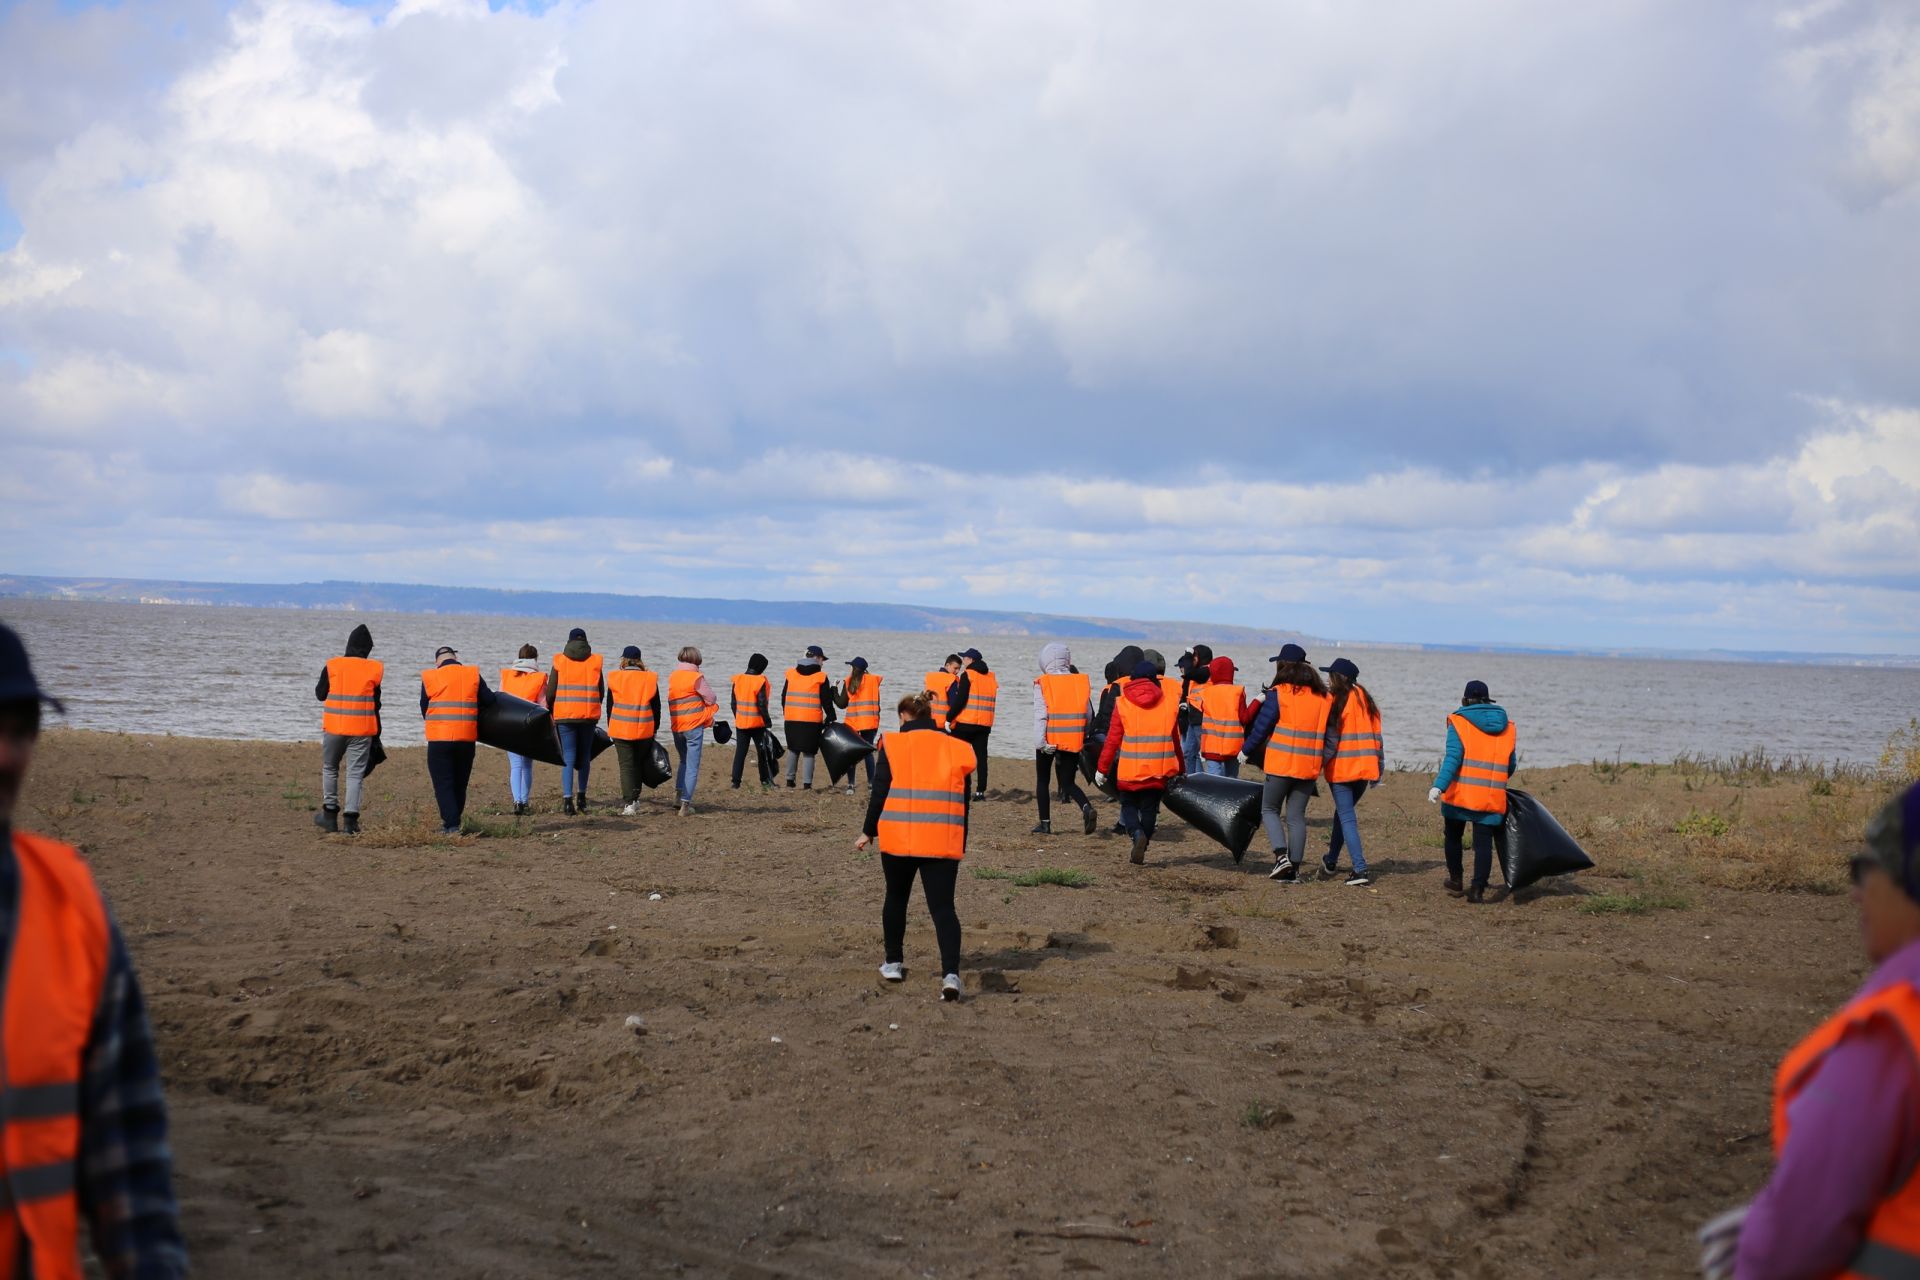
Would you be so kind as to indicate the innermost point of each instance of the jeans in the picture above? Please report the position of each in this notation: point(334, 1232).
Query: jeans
point(1229, 768)
point(1291, 836)
point(1140, 811)
point(450, 765)
point(763, 759)
point(1487, 837)
point(352, 749)
point(687, 776)
point(576, 754)
point(975, 736)
point(1190, 751)
point(1065, 768)
point(520, 777)
point(795, 761)
point(1346, 827)
point(866, 735)
point(937, 879)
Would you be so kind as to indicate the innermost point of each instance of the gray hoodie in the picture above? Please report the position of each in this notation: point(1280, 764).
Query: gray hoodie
point(1055, 658)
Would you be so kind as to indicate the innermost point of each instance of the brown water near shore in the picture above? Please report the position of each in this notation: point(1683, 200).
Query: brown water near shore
point(412, 1054)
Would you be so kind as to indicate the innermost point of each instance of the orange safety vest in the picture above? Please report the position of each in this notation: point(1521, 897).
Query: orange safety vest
point(351, 707)
point(687, 711)
point(1358, 746)
point(1149, 740)
point(938, 683)
point(576, 695)
point(1481, 784)
point(1299, 735)
point(631, 718)
point(746, 702)
point(1066, 702)
point(528, 685)
point(983, 691)
point(54, 979)
point(804, 701)
point(453, 703)
point(1170, 691)
point(1221, 734)
point(1891, 1247)
point(863, 704)
point(925, 813)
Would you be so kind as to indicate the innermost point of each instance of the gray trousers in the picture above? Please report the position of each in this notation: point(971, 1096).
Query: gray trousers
point(355, 749)
point(1293, 794)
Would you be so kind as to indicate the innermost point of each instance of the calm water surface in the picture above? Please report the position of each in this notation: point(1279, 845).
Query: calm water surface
point(249, 673)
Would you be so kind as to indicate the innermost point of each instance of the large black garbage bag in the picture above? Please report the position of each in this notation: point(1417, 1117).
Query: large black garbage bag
point(775, 748)
point(522, 727)
point(1223, 809)
point(1090, 765)
point(1537, 845)
point(376, 756)
point(600, 741)
point(656, 766)
point(842, 749)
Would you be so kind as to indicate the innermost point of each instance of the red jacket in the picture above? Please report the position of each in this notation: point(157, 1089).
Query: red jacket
point(1144, 693)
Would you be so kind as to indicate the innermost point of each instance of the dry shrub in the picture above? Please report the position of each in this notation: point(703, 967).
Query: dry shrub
point(412, 828)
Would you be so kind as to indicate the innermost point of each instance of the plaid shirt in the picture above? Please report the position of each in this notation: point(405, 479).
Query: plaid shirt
point(126, 1171)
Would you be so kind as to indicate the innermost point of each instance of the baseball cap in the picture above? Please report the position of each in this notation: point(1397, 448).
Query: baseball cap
point(1476, 689)
point(1289, 653)
point(857, 662)
point(1343, 667)
point(445, 651)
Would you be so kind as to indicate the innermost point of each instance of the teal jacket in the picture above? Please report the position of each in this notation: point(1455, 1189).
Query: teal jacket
point(1488, 717)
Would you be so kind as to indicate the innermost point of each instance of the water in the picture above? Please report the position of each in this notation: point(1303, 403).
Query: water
point(249, 673)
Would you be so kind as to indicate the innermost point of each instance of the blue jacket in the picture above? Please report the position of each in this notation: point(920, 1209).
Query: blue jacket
point(1488, 717)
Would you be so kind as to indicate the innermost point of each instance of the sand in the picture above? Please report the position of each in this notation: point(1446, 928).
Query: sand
point(409, 1054)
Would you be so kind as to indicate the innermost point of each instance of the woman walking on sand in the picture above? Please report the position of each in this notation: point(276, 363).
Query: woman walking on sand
point(633, 720)
point(690, 705)
point(1062, 707)
point(525, 681)
point(1471, 787)
point(1292, 726)
point(575, 688)
point(1224, 712)
point(807, 709)
point(1142, 752)
point(1355, 760)
point(859, 697)
point(752, 721)
point(917, 811)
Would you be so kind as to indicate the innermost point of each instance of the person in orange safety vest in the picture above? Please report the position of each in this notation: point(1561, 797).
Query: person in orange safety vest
point(349, 688)
point(1471, 787)
point(451, 695)
point(525, 681)
point(1142, 752)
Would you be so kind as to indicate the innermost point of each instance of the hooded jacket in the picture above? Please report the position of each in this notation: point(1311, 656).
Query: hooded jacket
point(826, 700)
point(359, 645)
point(1123, 662)
point(957, 691)
point(1142, 693)
point(1488, 717)
point(1055, 660)
point(579, 650)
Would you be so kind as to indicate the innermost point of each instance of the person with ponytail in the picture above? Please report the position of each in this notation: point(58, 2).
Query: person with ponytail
point(1355, 760)
point(524, 680)
point(1289, 734)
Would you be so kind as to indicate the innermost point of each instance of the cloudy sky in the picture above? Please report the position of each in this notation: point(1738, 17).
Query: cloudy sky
point(1474, 320)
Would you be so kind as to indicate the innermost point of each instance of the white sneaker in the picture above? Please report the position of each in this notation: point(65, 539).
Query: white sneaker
point(894, 971)
point(686, 808)
point(950, 987)
point(631, 809)
point(849, 788)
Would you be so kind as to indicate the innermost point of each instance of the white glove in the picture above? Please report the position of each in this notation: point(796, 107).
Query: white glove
point(1720, 1242)
point(1049, 749)
point(1099, 779)
point(1433, 795)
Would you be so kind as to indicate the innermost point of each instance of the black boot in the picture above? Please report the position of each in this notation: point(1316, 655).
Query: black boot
point(328, 819)
point(1088, 819)
point(352, 826)
point(1139, 854)
point(1045, 828)
point(580, 802)
point(1477, 894)
point(566, 805)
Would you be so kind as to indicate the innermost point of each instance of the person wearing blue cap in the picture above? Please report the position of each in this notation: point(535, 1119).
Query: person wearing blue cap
point(81, 1100)
point(859, 696)
point(806, 706)
point(1289, 734)
point(1355, 760)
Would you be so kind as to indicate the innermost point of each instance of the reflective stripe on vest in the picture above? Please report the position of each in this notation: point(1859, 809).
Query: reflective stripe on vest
point(1357, 746)
point(1065, 699)
point(630, 715)
point(54, 978)
point(352, 700)
point(803, 703)
point(1220, 730)
point(1300, 734)
point(453, 703)
point(983, 692)
point(939, 684)
point(687, 711)
point(746, 702)
point(576, 694)
point(863, 704)
point(1148, 740)
point(1481, 784)
point(925, 812)
point(1890, 1249)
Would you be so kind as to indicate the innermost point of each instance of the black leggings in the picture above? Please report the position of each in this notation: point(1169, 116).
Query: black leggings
point(757, 738)
point(1486, 838)
point(1065, 766)
point(975, 736)
point(937, 878)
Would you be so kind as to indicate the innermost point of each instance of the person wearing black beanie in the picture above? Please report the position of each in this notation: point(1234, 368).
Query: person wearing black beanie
point(751, 721)
point(349, 689)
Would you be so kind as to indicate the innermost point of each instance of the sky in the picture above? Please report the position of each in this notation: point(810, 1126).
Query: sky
point(1452, 321)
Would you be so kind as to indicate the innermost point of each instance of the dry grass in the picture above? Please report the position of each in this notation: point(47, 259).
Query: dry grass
point(410, 828)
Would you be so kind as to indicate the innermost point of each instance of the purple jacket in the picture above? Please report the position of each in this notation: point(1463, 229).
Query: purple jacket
point(1853, 1135)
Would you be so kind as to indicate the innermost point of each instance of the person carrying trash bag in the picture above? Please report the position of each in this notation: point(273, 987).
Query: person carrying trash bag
point(1290, 733)
point(575, 689)
point(1062, 707)
point(349, 691)
point(971, 703)
point(806, 707)
point(525, 681)
point(633, 721)
point(752, 721)
point(1471, 787)
point(1142, 752)
point(939, 682)
point(859, 696)
point(451, 695)
point(1118, 672)
point(917, 811)
point(1355, 760)
point(1842, 1200)
point(690, 707)
point(1221, 726)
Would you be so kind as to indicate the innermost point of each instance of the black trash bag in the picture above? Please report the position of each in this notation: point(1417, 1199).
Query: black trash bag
point(522, 727)
point(722, 732)
point(1537, 845)
point(656, 766)
point(775, 747)
point(601, 741)
point(842, 749)
point(376, 756)
point(1223, 809)
point(1090, 756)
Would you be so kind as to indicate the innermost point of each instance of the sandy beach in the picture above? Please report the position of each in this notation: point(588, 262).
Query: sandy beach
point(411, 1054)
